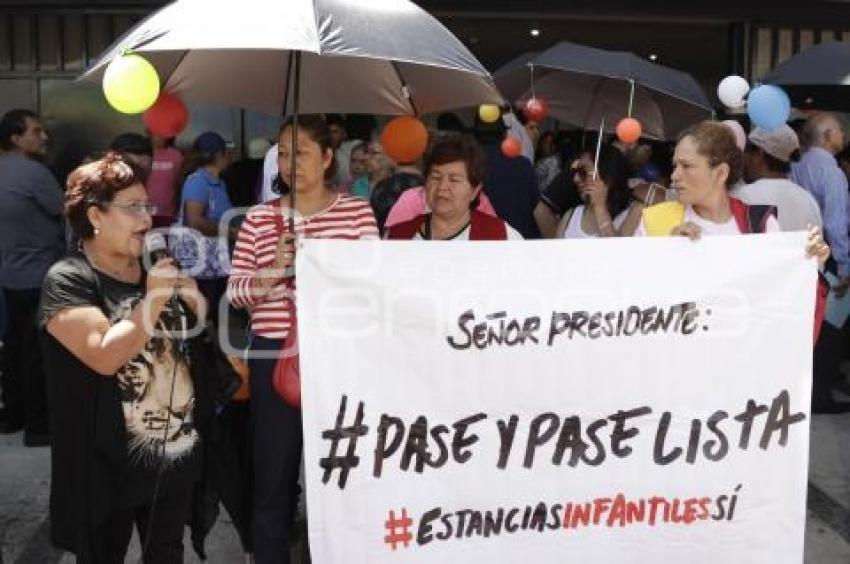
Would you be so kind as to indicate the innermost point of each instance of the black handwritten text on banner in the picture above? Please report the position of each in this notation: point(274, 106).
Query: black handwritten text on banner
point(633, 400)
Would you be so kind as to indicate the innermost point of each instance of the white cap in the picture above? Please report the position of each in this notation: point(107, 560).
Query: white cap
point(779, 143)
point(258, 147)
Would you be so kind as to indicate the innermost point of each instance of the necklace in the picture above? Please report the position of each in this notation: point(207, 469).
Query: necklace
point(427, 229)
point(128, 273)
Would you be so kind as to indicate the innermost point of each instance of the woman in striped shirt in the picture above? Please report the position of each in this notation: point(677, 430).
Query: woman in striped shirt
point(262, 280)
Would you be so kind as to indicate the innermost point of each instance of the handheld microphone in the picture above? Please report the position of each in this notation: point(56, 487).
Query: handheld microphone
point(156, 249)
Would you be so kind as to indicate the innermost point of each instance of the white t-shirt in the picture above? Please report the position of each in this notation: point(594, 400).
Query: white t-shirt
point(513, 235)
point(710, 228)
point(269, 174)
point(795, 206)
point(574, 230)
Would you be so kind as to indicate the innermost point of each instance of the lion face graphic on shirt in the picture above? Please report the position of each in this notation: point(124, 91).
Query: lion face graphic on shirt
point(145, 387)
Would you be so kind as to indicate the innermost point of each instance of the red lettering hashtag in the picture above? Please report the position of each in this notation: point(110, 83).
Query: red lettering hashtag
point(398, 529)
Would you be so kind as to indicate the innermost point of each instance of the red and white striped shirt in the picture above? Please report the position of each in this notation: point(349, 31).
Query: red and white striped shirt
point(347, 218)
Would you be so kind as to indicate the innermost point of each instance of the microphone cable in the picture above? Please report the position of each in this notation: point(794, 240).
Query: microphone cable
point(176, 344)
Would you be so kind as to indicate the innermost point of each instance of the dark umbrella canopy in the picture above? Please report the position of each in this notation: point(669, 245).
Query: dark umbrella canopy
point(584, 84)
point(376, 56)
point(512, 77)
point(817, 77)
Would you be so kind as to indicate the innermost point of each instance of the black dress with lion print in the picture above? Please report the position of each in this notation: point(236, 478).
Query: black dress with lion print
point(108, 432)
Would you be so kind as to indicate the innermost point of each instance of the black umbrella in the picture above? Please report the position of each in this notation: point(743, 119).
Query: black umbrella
point(817, 77)
point(584, 85)
point(308, 56)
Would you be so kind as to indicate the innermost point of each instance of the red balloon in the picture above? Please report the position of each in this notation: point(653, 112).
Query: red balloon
point(628, 130)
point(167, 117)
point(404, 139)
point(511, 147)
point(536, 109)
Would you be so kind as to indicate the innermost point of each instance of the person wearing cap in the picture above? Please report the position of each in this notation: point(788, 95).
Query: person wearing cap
point(706, 164)
point(203, 204)
point(767, 163)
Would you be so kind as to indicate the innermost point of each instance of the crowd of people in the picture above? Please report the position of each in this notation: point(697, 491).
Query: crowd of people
point(128, 404)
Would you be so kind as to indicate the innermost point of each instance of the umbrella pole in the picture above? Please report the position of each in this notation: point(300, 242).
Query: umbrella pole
point(598, 149)
point(531, 68)
point(296, 99)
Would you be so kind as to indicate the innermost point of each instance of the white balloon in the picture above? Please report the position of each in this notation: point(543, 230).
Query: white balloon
point(732, 90)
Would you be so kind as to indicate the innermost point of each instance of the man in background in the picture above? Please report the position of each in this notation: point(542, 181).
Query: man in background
point(31, 240)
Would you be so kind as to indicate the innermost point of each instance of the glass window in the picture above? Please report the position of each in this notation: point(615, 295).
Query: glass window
point(786, 45)
point(5, 42)
point(206, 117)
point(16, 93)
point(259, 125)
point(807, 38)
point(762, 52)
point(100, 34)
point(72, 41)
point(120, 25)
point(80, 121)
point(22, 37)
point(48, 42)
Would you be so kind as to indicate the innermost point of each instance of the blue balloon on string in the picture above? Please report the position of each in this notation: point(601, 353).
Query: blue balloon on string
point(768, 106)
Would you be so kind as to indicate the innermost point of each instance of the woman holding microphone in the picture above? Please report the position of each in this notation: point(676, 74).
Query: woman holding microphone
point(124, 400)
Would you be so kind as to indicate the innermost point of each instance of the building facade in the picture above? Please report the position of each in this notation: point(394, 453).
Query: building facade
point(46, 44)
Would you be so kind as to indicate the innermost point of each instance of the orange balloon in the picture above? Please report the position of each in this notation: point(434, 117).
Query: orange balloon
point(511, 147)
point(628, 130)
point(404, 139)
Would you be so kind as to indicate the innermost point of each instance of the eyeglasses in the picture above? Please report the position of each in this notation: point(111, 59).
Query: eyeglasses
point(136, 208)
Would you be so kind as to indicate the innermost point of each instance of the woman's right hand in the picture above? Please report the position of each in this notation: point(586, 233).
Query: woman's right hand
point(594, 192)
point(285, 254)
point(690, 230)
point(281, 268)
point(163, 280)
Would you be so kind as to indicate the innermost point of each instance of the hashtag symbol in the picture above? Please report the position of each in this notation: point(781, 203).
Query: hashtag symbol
point(393, 525)
point(338, 433)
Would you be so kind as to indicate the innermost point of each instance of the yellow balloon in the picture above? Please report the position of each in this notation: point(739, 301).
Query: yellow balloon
point(131, 84)
point(489, 113)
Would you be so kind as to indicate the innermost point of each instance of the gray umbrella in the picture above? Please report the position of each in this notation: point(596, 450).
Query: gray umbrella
point(818, 77)
point(307, 56)
point(583, 85)
point(376, 56)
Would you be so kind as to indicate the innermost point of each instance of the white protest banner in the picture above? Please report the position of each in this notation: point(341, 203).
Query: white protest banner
point(633, 400)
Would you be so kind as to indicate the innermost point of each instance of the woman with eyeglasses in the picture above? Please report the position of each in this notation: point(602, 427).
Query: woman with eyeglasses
point(125, 407)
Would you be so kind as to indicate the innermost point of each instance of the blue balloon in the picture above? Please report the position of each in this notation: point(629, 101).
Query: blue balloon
point(768, 106)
